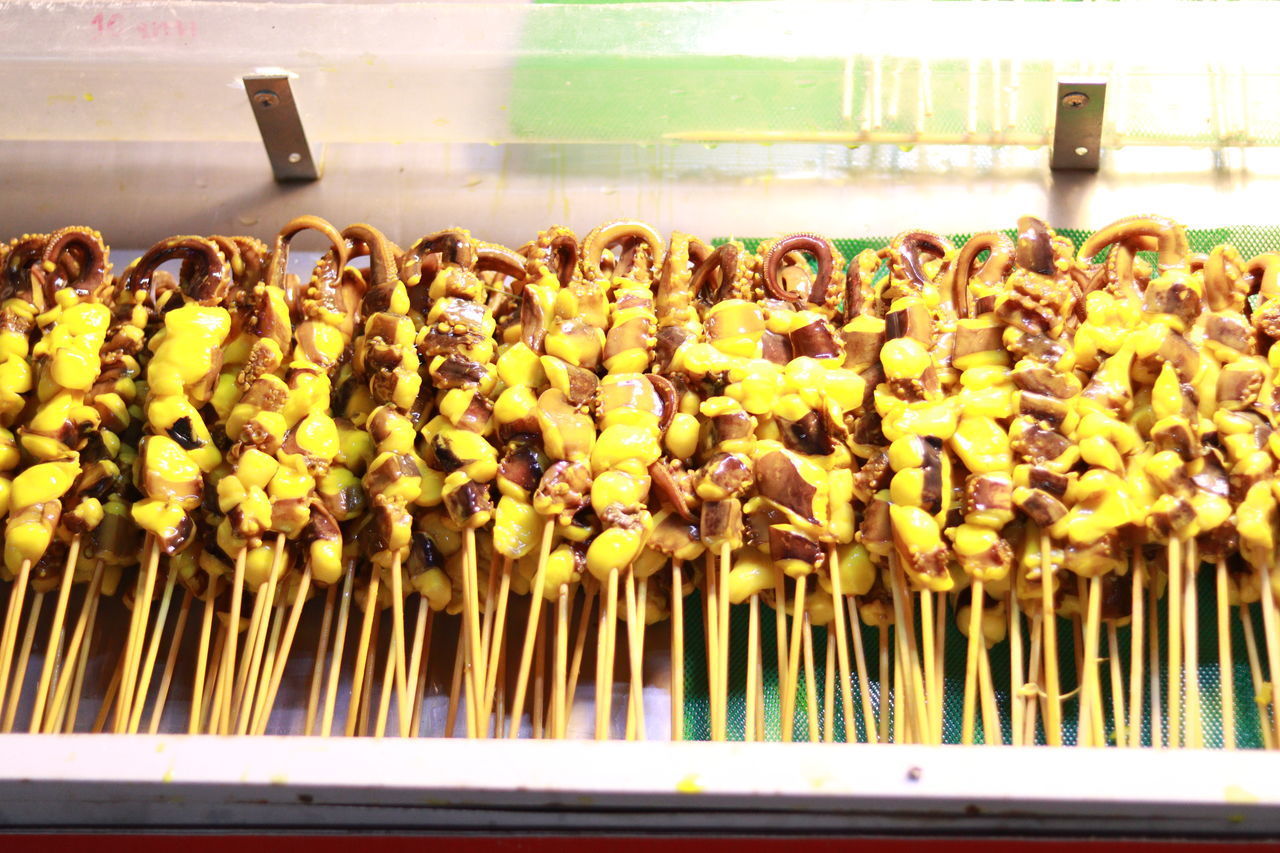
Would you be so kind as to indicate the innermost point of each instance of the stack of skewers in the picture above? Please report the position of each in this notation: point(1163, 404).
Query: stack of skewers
point(459, 471)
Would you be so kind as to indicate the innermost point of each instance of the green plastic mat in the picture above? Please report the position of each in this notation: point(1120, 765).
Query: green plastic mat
point(1249, 240)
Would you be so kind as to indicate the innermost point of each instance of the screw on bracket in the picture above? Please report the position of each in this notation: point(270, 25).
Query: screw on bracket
point(1075, 100)
point(265, 99)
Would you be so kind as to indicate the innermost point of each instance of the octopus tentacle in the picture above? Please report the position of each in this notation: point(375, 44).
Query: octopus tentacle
point(91, 279)
point(211, 278)
point(624, 232)
point(1170, 239)
point(1265, 270)
point(555, 254)
point(454, 245)
point(280, 256)
point(730, 259)
point(1226, 284)
point(821, 249)
point(1035, 245)
point(22, 255)
point(907, 250)
point(993, 270)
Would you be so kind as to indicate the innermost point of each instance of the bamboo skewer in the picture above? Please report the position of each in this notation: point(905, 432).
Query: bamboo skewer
point(606, 643)
point(108, 698)
point(722, 680)
point(1048, 627)
point(780, 644)
point(635, 653)
point(267, 698)
point(539, 678)
point(864, 680)
point(202, 662)
point(471, 618)
point(494, 639)
point(753, 662)
point(137, 631)
point(1260, 700)
point(266, 616)
point(455, 683)
point(1174, 668)
point(793, 661)
point(1091, 698)
point(560, 691)
point(1191, 639)
point(829, 690)
point(322, 651)
point(228, 658)
point(711, 625)
point(929, 651)
point(905, 622)
point(398, 644)
point(171, 661)
point(360, 670)
point(1226, 666)
point(940, 656)
point(364, 715)
point(882, 700)
point(339, 642)
point(70, 709)
point(677, 650)
point(1136, 637)
point(810, 682)
point(419, 666)
point(991, 731)
point(1272, 633)
point(53, 649)
point(531, 627)
point(206, 710)
point(12, 620)
point(153, 649)
point(384, 696)
point(1153, 666)
point(971, 662)
point(1033, 696)
point(1016, 676)
point(76, 649)
point(579, 645)
point(24, 658)
point(841, 648)
point(1117, 686)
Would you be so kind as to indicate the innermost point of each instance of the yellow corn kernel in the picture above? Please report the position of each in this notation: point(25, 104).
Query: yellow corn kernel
point(257, 565)
point(620, 444)
point(790, 407)
point(1100, 453)
point(434, 586)
point(289, 484)
point(255, 468)
point(904, 358)
point(516, 528)
point(520, 365)
point(89, 511)
point(1211, 510)
point(432, 490)
point(907, 487)
point(681, 439)
point(614, 549)
point(938, 419)
point(857, 572)
point(844, 388)
point(43, 483)
point(905, 452)
point(6, 495)
point(479, 457)
point(994, 402)
point(162, 518)
point(355, 448)
point(618, 488)
point(514, 404)
point(757, 391)
point(561, 569)
point(1166, 394)
point(26, 539)
point(326, 561)
point(982, 445)
point(405, 489)
point(752, 574)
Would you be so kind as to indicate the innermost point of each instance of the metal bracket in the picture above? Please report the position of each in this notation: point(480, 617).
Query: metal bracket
point(1077, 132)
point(282, 133)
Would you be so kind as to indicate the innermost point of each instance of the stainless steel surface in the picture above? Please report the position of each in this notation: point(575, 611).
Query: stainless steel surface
point(283, 135)
point(1077, 130)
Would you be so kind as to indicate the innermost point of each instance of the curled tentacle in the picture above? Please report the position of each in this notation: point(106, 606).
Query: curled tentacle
point(1226, 284)
point(1264, 271)
point(731, 260)
point(829, 281)
point(211, 273)
point(624, 233)
point(1170, 239)
point(280, 256)
point(993, 270)
point(22, 256)
point(906, 254)
point(1035, 245)
point(555, 253)
point(455, 246)
point(92, 281)
point(674, 296)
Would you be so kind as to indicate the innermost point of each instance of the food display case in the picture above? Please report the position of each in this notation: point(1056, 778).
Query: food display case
point(730, 120)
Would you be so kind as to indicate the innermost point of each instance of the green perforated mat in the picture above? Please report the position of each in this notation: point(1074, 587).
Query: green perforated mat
point(1250, 241)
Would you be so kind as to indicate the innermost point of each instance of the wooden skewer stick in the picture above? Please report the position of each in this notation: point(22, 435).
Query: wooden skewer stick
point(1255, 671)
point(358, 673)
point(53, 649)
point(494, 641)
point(455, 684)
point(12, 619)
point(419, 665)
point(722, 679)
point(793, 660)
point(929, 652)
point(153, 649)
point(398, 644)
point(1049, 628)
point(365, 714)
point(810, 682)
point(971, 662)
point(108, 698)
point(384, 697)
point(1036, 659)
point(257, 636)
point(1117, 686)
point(1191, 659)
point(247, 655)
point(841, 645)
point(471, 616)
point(171, 661)
point(1093, 682)
point(829, 690)
point(538, 695)
point(753, 661)
point(991, 730)
point(77, 647)
point(1226, 666)
point(759, 699)
point(1153, 666)
point(1272, 633)
point(202, 663)
point(1136, 638)
point(228, 659)
point(137, 631)
point(268, 662)
point(911, 665)
point(607, 643)
point(902, 723)
point(24, 658)
point(780, 643)
point(940, 657)
point(531, 627)
point(1016, 675)
point(864, 680)
point(635, 648)
point(339, 642)
point(711, 624)
point(69, 710)
point(420, 626)
point(677, 650)
point(267, 698)
point(322, 651)
point(206, 710)
point(883, 706)
point(560, 690)
point(579, 645)
point(1174, 670)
